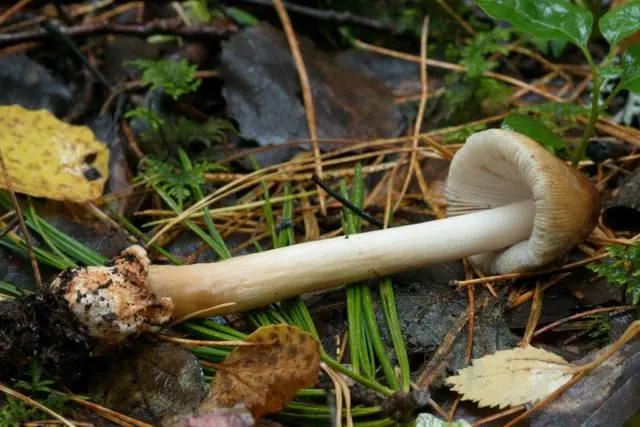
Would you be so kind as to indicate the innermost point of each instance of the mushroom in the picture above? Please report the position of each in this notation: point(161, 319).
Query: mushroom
point(512, 206)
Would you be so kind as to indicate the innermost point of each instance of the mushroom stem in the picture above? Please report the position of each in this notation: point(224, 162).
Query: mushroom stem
point(255, 280)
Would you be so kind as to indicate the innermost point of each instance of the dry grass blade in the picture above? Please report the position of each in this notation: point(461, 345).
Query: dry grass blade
point(423, 104)
point(23, 226)
point(512, 377)
point(306, 92)
point(31, 402)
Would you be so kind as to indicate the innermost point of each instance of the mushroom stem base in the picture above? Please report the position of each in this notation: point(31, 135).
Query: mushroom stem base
point(255, 280)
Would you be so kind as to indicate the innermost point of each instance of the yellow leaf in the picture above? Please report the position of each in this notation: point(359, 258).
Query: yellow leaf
point(512, 377)
point(266, 377)
point(46, 157)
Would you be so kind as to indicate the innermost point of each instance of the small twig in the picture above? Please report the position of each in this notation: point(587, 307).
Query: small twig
point(107, 413)
point(168, 26)
point(584, 314)
point(423, 103)
point(13, 9)
point(499, 415)
point(199, 343)
point(29, 401)
point(508, 276)
point(534, 315)
point(431, 371)
point(353, 208)
point(335, 17)
point(306, 91)
point(464, 24)
point(23, 226)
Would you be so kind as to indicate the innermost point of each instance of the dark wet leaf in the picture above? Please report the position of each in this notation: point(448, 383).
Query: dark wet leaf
point(620, 23)
point(27, 83)
point(608, 396)
point(623, 212)
point(428, 309)
point(545, 19)
point(151, 381)
point(400, 76)
point(263, 94)
point(534, 129)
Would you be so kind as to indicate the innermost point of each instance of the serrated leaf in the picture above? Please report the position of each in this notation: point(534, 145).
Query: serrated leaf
point(428, 420)
point(512, 377)
point(545, 19)
point(266, 377)
point(631, 67)
point(46, 157)
point(534, 129)
point(618, 24)
point(610, 72)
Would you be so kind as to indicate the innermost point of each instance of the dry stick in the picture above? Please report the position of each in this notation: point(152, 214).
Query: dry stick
point(464, 24)
point(168, 26)
point(306, 92)
point(439, 410)
point(430, 372)
point(530, 273)
point(454, 67)
point(499, 415)
point(471, 311)
point(530, 294)
point(584, 314)
point(471, 324)
point(199, 343)
point(35, 404)
point(338, 388)
point(584, 370)
point(337, 17)
point(423, 103)
point(107, 413)
point(12, 10)
point(23, 226)
point(534, 315)
point(301, 177)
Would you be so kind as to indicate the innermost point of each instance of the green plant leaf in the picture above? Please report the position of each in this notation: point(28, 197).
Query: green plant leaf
point(175, 77)
point(534, 129)
point(610, 72)
point(618, 24)
point(631, 68)
point(545, 19)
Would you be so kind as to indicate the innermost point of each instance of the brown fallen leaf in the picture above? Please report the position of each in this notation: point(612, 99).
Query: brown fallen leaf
point(46, 157)
point(512, 377)
point(265, 378)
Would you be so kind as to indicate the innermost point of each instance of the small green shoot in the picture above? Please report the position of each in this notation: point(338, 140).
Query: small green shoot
point(176, 78)
point(172, 179)
point(154, 120)
point(16, 412)
point(622, 269)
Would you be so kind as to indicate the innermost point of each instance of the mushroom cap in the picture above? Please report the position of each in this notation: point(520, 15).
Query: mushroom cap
point(496, 167)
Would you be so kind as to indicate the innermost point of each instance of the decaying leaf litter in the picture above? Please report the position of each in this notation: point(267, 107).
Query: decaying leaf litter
point(217, 151)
